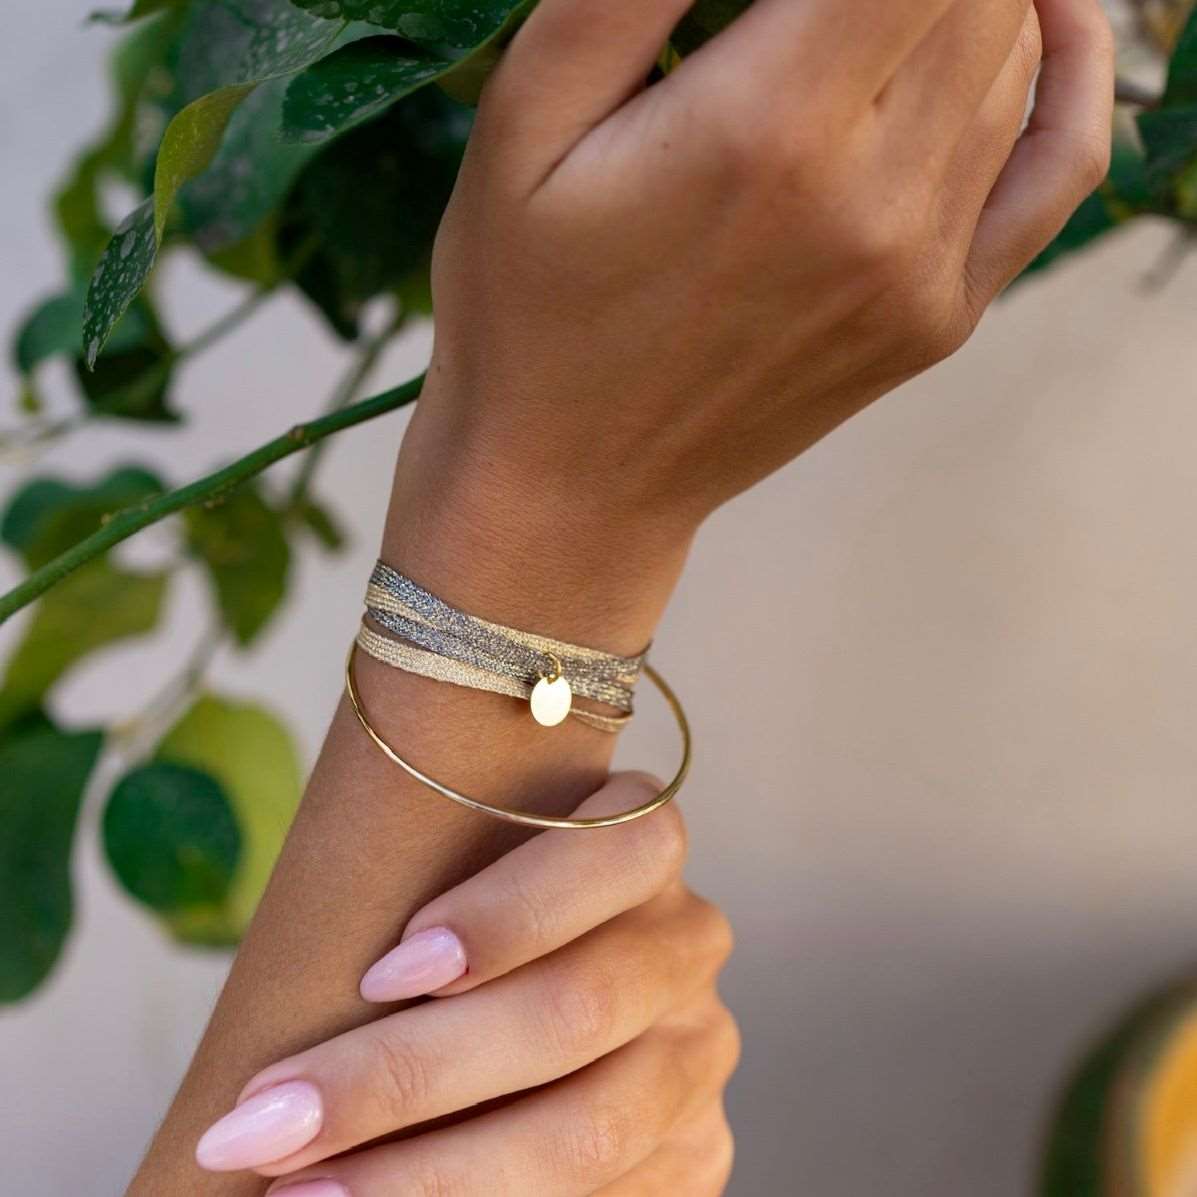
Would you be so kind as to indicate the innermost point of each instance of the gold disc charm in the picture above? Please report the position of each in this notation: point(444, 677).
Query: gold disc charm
point(552, 697)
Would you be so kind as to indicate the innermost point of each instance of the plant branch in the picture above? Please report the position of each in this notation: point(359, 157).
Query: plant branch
point(131, 520)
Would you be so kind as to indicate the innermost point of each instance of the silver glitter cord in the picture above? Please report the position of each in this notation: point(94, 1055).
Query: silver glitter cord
point(405, 609)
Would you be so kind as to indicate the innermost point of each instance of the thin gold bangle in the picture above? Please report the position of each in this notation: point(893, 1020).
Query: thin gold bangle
point(527, 818)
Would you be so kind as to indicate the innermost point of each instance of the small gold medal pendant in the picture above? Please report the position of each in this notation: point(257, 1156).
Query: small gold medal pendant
point(552, 697)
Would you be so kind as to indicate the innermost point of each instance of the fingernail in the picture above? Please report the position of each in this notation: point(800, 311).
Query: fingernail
point(267, 1127)
point(421, 964)
point(311, 1188)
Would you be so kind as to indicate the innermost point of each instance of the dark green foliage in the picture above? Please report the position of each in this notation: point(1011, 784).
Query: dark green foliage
point(45, 771)
point(171, 837)
point(48, 515)
point(703, 21)
point(353, 84)
point(459, 23)
point(384, 185)
point(241, 541)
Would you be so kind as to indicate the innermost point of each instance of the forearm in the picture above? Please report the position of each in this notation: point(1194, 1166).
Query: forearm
point(369, 846)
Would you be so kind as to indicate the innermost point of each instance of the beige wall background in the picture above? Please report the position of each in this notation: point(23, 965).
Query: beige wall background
point(942, 672)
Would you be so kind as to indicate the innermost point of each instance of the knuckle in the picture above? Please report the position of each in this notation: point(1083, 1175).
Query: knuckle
point(592, 1144)
point(1092, 160)
point(721, 1155)
point(537, 919)
point(402, 1080)
point(879, 245)
point(714, 932)
point(427, 1179)
point(659, 847)
point(580, 1012)
point(728, 1043)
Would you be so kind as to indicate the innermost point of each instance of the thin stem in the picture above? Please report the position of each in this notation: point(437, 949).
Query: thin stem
point(137, 735)
point(224, 325)
point(126, 523)
point(344, 393)
point(43, 431)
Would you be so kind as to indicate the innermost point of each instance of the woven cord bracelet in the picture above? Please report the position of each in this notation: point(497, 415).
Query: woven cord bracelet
point(429, 637)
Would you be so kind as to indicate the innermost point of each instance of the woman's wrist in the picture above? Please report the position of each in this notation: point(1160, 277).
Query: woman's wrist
point(509, 543)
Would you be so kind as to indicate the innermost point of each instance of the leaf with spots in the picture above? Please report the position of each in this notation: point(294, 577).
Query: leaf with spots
point(249, 176)
point(233, 46)
point(460, 23)
point(353, 84)
point(124, 267)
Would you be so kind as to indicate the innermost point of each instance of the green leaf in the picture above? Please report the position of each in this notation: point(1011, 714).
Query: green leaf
point(48, 515)
point(428, 22)
point(253, 259)
point(52, 328)
point(704, 20)
point(189, 145)
point(251, 755)
point(249, 176)
point(228, 48)
point(1182, 71)
point(465, 81)
point(226, 42)
point(372, 202)
point(1170, 140)
point(45, 772)
point(132, 376)
point(92, 608)
point(353, 84)
point(123, 269)
point(321, 523)
point(139, 74)
point(242, 542)
point(171, 837)
point(130, 383)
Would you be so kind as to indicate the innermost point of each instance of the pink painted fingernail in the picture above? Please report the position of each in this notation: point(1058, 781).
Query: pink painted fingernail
point(267, 1127)
point(311, 1188)
point(421, 964)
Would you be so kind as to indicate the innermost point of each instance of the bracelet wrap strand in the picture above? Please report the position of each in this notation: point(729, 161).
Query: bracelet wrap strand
point(529, 818)
point(427, 636)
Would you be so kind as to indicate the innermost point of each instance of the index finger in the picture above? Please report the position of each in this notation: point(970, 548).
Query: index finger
point(542, 895)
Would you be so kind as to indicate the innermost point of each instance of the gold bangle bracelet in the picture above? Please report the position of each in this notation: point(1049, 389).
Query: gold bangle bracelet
point(527, 818)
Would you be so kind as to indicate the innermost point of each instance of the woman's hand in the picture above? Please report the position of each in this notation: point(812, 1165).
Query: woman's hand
point(649, 298)
point(576, 982)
